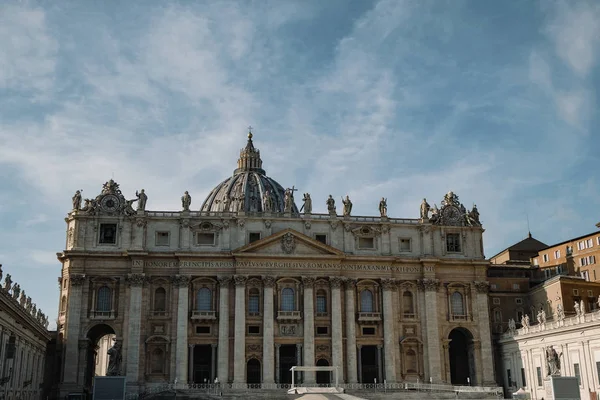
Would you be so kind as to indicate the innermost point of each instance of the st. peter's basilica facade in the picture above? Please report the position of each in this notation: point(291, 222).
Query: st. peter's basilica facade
point(249, 285)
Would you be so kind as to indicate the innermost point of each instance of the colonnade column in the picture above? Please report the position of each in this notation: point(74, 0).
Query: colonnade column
point(71, 363)
point(351, 364)
point(239, 349)
point(268, 333)
point(309, 327)
point(181, 282)
point(430, 287)
point(135, 281)
point(483, 316)
point(223, 348)
point(388, 329)
point(337, 352)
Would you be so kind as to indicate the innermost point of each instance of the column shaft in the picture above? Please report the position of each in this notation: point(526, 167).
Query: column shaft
point(268, 333)
point(239, 351)
point(388, 331)
point(380, 364)
point(223, 349)
point(351, 332)
point(181, 346)
point(213, 360)
point(309, 328)
point(337, 340)
point(483, 316)
point(360, 364)
point(136, 282)
point(71, 361)
point(277, 369)
point(430, 286)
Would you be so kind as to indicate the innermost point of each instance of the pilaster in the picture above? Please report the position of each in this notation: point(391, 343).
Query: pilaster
point(351, 362)
point(135, 282)
point(430, 287)
point(75, 302)
point(309, 327)
point(268, 332)
point(239, 350)
point(388, 286)
point(337, 352)
point(223, 349)
point(481, 304)
point(181, 282)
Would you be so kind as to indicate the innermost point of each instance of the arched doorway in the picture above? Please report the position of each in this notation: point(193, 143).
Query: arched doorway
point(253, 371)
point(461, 355)
point(100, 337)
point(323, 377)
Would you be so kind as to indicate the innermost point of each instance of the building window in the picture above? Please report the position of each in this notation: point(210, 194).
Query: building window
point(457, 304)
point(108, 233)
point(204, 299)
point(493, 286)
point(556, 254)
point(322, 330)
point(205, 239)
point(496, 300)
point(585, 275)
point(157, 361)
point(254, 329)
point(497, 316)
point(516, 286)
point(162, 239)
point(63, 306)
point(590, 243)
point(160, 299)
point(366, 301)
point(203, 330)
point(575, 292)
point(581, 245)
point(538, 371)
point(321, 237)
point(523, 380)
point(453, 243)
point(408, 306)
point(518, 300)
point(368, 330)
point(405, 245)
point(288, 302)
point(535, 261)
point(366, 243)
point(253, 237)
point(254, 302)
point(545, 256)
point(103, 299)
point(321, 302)
point(590, 293)
point(577, 373)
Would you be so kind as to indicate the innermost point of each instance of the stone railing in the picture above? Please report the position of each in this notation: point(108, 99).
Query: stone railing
point(204, 315)
point(12, 292)
point(555, 323)
point(369, 316)
point(289, 315)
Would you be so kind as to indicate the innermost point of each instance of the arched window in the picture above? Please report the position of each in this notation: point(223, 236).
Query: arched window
point(204, 299)
point(411, 361)
point(157, 361)
point(160, 299)
point(407, 303)
point(287, 300)
point(63, 304)
point(321, 301)
point(254, 301)
point(497, 316)
point(366, 301)
point(103, 299)
point(458, 306)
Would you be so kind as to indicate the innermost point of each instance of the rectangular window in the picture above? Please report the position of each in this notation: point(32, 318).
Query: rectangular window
point(577, 373)
point(590, 243)
point(321, 237)
point(523, 380)
point(592, 259)
point(575, 292)
point(366, 243)
point(322, 330)
point(493, 286)
point(203, 330)
point(516, 286)
point(254, 304)
point(538, 371)
point(321, 304)
point(598, 240)
point(453, 243)
point(590, 293)
point(368, 330)
point(556, 254)
point(253, 237)
point(162, 239)
point(580, 245)
point(254, 329)
point(545, 257)
point(535, 261)
point(405, 246)
point(518, 301)
point(205, 239)
point(585, 275)
point(108, 233)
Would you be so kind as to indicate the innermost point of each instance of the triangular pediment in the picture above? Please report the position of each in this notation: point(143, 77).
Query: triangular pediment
point(288, 242)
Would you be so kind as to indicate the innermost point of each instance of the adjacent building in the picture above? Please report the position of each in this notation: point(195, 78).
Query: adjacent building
point(246, 286)
point(23, 341)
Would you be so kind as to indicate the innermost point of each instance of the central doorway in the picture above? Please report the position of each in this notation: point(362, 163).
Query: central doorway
point(461, 354)
point(323, 377)
point(287, 359)
point(253, 371)
point(202, 368)
point(369, 367)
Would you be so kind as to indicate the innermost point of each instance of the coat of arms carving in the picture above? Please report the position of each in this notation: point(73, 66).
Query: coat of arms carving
point(288, 243)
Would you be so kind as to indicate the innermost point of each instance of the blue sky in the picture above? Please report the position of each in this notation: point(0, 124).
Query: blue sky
point(495, 100)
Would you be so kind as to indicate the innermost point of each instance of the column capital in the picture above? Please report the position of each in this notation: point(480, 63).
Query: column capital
point(308, 281)
point(180, 281)
point(136, 280)
point(350, 283)
point(335, 282)
point(191, 346)
point(269, 280)
point(481, 286)
point(388, 283)
point(428, 285)
point(224, 280)
point(77, 279)
point(240, 280)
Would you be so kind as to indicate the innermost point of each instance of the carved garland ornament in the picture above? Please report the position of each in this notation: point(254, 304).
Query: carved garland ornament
point(224, 280)
point(136, 280)
point(268, 281)
point(308, 281)
point(350, 283)
point(77, 279)
point(180, 281)
point(388, 283)
point(335, 282)
point(288, 243)
point(240, 280)
point(482, 286)
point(429, 285)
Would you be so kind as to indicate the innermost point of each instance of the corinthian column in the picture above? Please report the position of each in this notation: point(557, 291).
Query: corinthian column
point(388, 330)
point(430, 287)
point(73, 327)
point(481, 310)
point(351, 364)
point(223, 348)
point(337, 352)
point(135, 281)
point(268, 335)
point(239, 350)
point(181, 282)
point(309, 328)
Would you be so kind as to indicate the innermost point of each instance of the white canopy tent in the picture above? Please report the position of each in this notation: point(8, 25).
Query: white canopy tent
point(316, 369)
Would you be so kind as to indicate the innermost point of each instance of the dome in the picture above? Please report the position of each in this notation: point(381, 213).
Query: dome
point(249, 189)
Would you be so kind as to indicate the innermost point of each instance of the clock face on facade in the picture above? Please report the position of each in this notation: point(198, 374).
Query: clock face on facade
point(451, 214)
point(110, 203)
